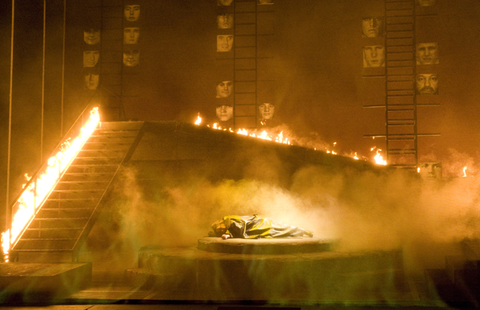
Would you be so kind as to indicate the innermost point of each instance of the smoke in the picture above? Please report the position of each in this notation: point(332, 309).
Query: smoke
point(359, 210)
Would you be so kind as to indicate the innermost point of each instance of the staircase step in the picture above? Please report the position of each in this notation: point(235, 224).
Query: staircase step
point(46, 244)
point(65, 217)
point(32, 233)
point(59, 223)
point(64, 213)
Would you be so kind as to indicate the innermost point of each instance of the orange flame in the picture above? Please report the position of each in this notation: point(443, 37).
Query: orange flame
point(465, 171)
point(34, 195)
point(279, 138)
point(199, 120)
point(378, 158)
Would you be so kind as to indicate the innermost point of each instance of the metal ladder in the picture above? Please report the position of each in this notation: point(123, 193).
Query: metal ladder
point(245, 65)
point(400, 105)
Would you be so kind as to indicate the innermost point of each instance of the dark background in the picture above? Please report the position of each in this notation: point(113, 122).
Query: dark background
point(317, 63)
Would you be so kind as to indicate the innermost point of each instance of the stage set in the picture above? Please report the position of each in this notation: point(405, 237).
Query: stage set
point(121, 211)
point(68, 253)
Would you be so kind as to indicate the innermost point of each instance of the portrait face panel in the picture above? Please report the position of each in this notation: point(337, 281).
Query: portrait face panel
point(224, 89)
point(427, 84)
point(372, 27)
point(426, 2)
point(267, 110)
point(224, 112)
point(90, 58)
point(225, 21)
point(131, 58)
point(132, 12)
point(430, 170)
point(373, 56)
point(91, 81)
point(91, 36)
point(224, 2)
point(130, 35)
point(427, 53)
point(224, 43)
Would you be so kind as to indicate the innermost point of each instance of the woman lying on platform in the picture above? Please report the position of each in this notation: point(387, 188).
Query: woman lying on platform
point(254, 227)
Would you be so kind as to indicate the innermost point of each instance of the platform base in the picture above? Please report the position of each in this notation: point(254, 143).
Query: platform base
point(336, 276)
point(36, 283)
point(265, 246)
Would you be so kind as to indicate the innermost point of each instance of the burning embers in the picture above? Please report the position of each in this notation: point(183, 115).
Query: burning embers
point(279, 138)
point(40, 186)
point(263, 135)
point(378, 157)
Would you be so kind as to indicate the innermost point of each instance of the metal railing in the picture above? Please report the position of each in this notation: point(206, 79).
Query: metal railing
point(41, 184)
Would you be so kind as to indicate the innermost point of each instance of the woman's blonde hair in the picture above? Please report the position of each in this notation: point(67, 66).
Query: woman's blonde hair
point(213, 232)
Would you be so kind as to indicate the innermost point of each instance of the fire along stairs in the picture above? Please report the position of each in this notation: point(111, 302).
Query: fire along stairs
point(63, 222)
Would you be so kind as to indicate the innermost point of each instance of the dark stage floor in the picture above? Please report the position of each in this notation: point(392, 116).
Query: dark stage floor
point(190, 278)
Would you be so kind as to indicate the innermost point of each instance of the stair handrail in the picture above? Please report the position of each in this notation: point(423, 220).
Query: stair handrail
point(32, 185)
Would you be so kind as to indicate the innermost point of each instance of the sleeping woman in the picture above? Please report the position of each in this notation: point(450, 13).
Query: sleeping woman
point(255, 227)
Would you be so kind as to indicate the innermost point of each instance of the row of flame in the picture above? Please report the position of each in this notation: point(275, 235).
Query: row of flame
point(378, 159)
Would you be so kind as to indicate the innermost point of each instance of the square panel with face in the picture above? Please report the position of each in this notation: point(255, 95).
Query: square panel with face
point(372, 27)
point(427, 53)
point(224, 43)
point(132, 12)
point(90, 58)
point(91, 36)
point(266, 110)
point(225, 21)
point(131, 58)
point(91, 81)
point(373, 56)
point(430, 170)
point(224, 89)
point(224, 112)
point(427, 84)
point(131, 35)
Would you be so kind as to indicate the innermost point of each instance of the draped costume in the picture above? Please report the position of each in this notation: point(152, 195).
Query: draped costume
point(254, 227)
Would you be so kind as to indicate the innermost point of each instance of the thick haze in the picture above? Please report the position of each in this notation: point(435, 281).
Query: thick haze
point(320, 92)
point(359, 211)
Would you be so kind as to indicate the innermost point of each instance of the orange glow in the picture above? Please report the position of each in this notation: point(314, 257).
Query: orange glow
point(264, 135)
point(465, 171)
point(199, 120)
point(34, 195)
point(278, 138)
point(378, 157)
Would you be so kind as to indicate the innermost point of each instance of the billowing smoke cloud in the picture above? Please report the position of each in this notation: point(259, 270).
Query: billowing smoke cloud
point(360, 210)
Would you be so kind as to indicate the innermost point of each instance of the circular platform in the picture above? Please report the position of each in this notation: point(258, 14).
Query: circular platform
point(264, 246)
